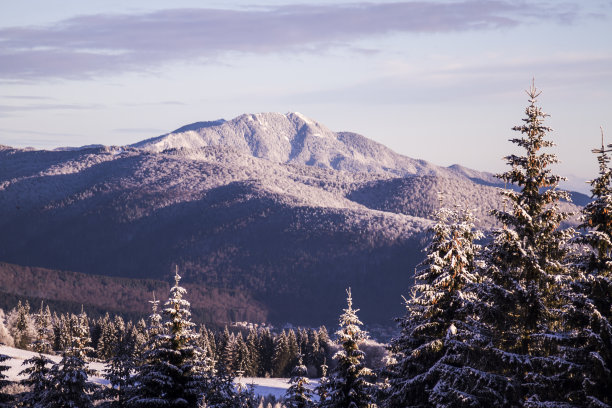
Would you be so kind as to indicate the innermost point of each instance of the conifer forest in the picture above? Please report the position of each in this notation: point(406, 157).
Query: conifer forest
point(518, 315)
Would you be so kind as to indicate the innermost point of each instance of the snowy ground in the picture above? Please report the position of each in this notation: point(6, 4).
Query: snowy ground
point(263, 386)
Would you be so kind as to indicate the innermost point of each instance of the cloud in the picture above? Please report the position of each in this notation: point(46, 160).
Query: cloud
point(476, 79)
point(94, 45)
point(46, 107)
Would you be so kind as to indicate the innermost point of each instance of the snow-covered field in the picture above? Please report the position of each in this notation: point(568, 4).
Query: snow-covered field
point(262, 386)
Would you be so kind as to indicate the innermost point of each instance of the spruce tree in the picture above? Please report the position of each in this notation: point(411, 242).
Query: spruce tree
point(174, 370)
point(298, 394)
point(433, 331)
point(38, 367)
point(519, 303)
point(589, 312)
point(37, 380)
point(5, 398)
point(119, 370)
point(68, 380)
point(348, 384)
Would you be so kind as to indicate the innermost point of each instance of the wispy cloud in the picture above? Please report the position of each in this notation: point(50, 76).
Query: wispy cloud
point(105, 44)
point(449, 81)
point(46, 107)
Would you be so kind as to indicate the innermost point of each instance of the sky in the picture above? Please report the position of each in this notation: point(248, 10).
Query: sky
point(437, 80)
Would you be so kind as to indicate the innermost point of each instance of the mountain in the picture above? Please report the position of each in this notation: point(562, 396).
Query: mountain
point(274, 212)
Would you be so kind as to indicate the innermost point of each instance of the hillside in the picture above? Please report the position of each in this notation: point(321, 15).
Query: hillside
point(274, 212)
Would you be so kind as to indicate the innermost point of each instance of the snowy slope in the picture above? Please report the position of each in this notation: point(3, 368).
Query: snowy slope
point(261, 386)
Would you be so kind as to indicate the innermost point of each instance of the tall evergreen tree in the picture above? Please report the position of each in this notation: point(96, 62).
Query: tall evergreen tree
point(519, 299)
point(5, 398)
point(348, 385)
point(174, 370)
point(38, 367)
point(589, 312)
point(431, 338)
point(37, 380)
point(119, 370)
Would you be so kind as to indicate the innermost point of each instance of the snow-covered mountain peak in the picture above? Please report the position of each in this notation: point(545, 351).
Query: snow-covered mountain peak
point(290, 138)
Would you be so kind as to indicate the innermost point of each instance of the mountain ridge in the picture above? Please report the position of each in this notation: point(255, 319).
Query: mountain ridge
point(257, 205)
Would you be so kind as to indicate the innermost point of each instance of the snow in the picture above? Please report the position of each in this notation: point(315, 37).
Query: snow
point(262, 386)
point(18, 356)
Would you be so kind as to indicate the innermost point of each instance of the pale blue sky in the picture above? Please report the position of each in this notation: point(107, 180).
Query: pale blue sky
point(437, 80)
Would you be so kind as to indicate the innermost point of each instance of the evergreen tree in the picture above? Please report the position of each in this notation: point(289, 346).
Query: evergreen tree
point(323, 386)
point(174, 369)
point(5, 398)
point(37, 380)
point(68, 381)
point(589, 312)
point(519, 303)
point(426, 351)
point(20, 325)
point(38, 367)
point(348, 384)
point(282, 355)
point(119, 369)
point(105, 344)
point(298, 394)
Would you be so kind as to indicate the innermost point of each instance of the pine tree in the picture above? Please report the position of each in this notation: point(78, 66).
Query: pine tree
point(519, 300)
point(426, 352)
point(298, 394)
point(38, 367)
point(174, 371)
point(20, 325)
point(323, 386)
point(37, 380)
point(68, 381)
point(119, 369)
point(5, 398)
point(282, 355)
point(104, 348)
point(348, 384)
point(589, 312)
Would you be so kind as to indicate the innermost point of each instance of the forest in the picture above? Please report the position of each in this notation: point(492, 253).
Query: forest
point(519, 317)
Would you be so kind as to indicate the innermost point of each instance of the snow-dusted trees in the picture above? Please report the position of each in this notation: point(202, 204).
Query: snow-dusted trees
point(173, 372)
point(68, 381)
point(20, 325)
point(436, 324)
point(348, 384)
point(37, 380)
point(520, 296)
point(4, 397)
point(589, 312)
point(298, 394)
point(38, 367)
point(120, 367)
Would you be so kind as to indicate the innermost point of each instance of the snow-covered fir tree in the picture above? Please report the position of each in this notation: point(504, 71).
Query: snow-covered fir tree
point(433, 334)
point(20, 325)
point(321, 389)
point(5, 398)
point(519, 299)
point(298, 394)
point(173, 371)
point(68, 380)
point(38, 367)
point(589, 310)
point(349, 385)
point(36, 379)
point(119, 370)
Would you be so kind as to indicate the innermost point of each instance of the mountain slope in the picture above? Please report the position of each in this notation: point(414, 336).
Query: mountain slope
point(275, 209)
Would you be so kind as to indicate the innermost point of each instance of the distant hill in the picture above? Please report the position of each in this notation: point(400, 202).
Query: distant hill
point(272, 213)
